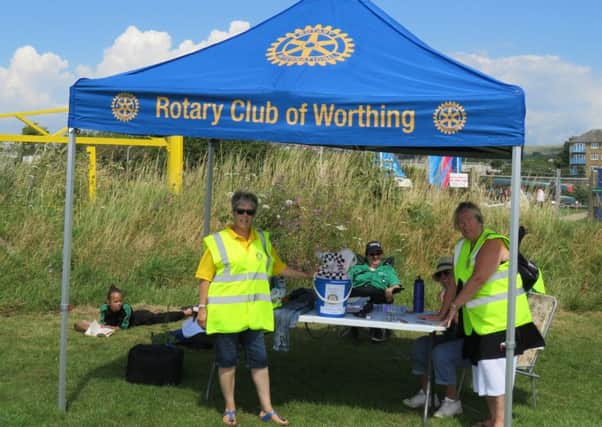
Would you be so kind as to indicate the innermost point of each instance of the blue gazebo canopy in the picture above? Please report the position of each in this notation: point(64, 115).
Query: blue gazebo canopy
point(338, 73)
point(323, 72)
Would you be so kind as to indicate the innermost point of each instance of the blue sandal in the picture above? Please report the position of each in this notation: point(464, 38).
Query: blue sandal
point(269, 416)
point(231, 418)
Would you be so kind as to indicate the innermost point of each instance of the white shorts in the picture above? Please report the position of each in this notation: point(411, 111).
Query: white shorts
point(489, 377)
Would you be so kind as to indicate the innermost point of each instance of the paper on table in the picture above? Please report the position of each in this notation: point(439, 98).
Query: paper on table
point(97, 330)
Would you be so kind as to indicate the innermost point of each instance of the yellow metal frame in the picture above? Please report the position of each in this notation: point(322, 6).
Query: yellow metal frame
point(174, 145)
point(175, 162)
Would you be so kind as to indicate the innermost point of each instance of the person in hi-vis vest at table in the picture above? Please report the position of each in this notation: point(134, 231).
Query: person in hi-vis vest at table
point(235, 302)
point(481, 264)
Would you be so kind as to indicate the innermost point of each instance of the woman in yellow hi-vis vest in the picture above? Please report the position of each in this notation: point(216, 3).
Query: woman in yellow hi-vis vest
point(235, 302)
point(481, 269)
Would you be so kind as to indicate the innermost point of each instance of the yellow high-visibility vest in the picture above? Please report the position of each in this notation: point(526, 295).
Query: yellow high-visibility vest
point(486, 312)
point(239, 294)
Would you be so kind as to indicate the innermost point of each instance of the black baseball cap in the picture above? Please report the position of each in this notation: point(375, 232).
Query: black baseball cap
point(374, 247)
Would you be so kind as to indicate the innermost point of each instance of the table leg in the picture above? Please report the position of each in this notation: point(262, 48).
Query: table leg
point(210, 382)
point(429, 378)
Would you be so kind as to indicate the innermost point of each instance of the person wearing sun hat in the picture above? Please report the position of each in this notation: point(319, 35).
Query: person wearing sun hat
point(447, 353)
point(444, 264)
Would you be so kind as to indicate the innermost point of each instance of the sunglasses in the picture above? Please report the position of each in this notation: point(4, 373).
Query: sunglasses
point(249, 212)
point(443, 273)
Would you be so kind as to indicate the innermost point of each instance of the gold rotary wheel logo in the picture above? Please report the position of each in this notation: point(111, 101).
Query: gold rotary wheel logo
point(125, 106)
point(310, 46)
point(449, 117)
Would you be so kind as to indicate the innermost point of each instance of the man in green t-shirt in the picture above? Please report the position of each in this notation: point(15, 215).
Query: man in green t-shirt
point(375, 279)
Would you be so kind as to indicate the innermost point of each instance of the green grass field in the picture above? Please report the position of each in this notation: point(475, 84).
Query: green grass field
point(324, 381)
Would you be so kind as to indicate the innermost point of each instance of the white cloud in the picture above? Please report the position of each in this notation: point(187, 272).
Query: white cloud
point(135, 49)
point(563, 99)
point(187, 46)
point(34, 81)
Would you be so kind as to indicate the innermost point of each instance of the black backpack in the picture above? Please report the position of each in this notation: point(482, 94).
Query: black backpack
point(156, 364)
point(528, 270)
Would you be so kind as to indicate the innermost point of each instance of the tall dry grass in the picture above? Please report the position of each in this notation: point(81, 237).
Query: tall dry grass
point(148, 241)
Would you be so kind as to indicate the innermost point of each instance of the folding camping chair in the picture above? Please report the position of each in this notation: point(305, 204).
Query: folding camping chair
point(543, 308)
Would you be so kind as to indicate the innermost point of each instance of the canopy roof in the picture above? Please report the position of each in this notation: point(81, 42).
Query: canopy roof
point(323, 72)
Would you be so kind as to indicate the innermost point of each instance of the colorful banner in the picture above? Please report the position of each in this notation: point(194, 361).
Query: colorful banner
point(440, 168)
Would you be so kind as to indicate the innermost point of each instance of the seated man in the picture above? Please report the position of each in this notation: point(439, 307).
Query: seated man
point(447, 353)
point(375, 279)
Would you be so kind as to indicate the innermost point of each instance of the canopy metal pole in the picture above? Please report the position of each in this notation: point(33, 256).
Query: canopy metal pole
point(67, 235)
point(558, 192)
point(208, 188)
point(511, 316)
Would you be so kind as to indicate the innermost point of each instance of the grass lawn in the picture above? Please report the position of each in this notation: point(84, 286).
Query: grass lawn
point(325, 381)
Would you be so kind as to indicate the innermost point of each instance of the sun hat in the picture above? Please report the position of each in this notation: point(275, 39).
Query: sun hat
point(374, 247)
point(443, 264)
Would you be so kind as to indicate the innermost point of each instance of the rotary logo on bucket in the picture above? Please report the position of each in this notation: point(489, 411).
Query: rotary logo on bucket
point(332, 296)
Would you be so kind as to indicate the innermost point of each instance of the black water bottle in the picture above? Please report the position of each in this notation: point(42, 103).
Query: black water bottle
point(418, 295)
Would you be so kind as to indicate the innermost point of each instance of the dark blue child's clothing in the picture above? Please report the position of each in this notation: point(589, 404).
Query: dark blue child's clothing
point(127, 317)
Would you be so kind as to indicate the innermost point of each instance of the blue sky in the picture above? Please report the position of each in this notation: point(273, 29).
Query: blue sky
point(550, 48)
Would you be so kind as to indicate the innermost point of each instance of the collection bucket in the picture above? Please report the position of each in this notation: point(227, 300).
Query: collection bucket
point(332, 296)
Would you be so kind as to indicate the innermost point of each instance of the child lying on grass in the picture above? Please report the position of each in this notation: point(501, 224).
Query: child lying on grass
point(116, 314)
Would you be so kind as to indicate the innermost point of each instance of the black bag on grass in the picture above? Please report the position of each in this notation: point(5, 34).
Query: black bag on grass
point(154, 364)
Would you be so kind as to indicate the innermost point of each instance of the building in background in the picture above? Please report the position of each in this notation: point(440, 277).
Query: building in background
point(585, 153)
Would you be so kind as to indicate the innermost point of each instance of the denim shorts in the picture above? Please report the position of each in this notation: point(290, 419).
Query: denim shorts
point(226, 349)
point(447, 358)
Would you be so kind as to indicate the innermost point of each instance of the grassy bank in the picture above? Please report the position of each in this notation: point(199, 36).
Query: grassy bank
point(322, 382)
point(147, 241)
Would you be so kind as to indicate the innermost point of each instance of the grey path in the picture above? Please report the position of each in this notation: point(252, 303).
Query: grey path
point(575, 217)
